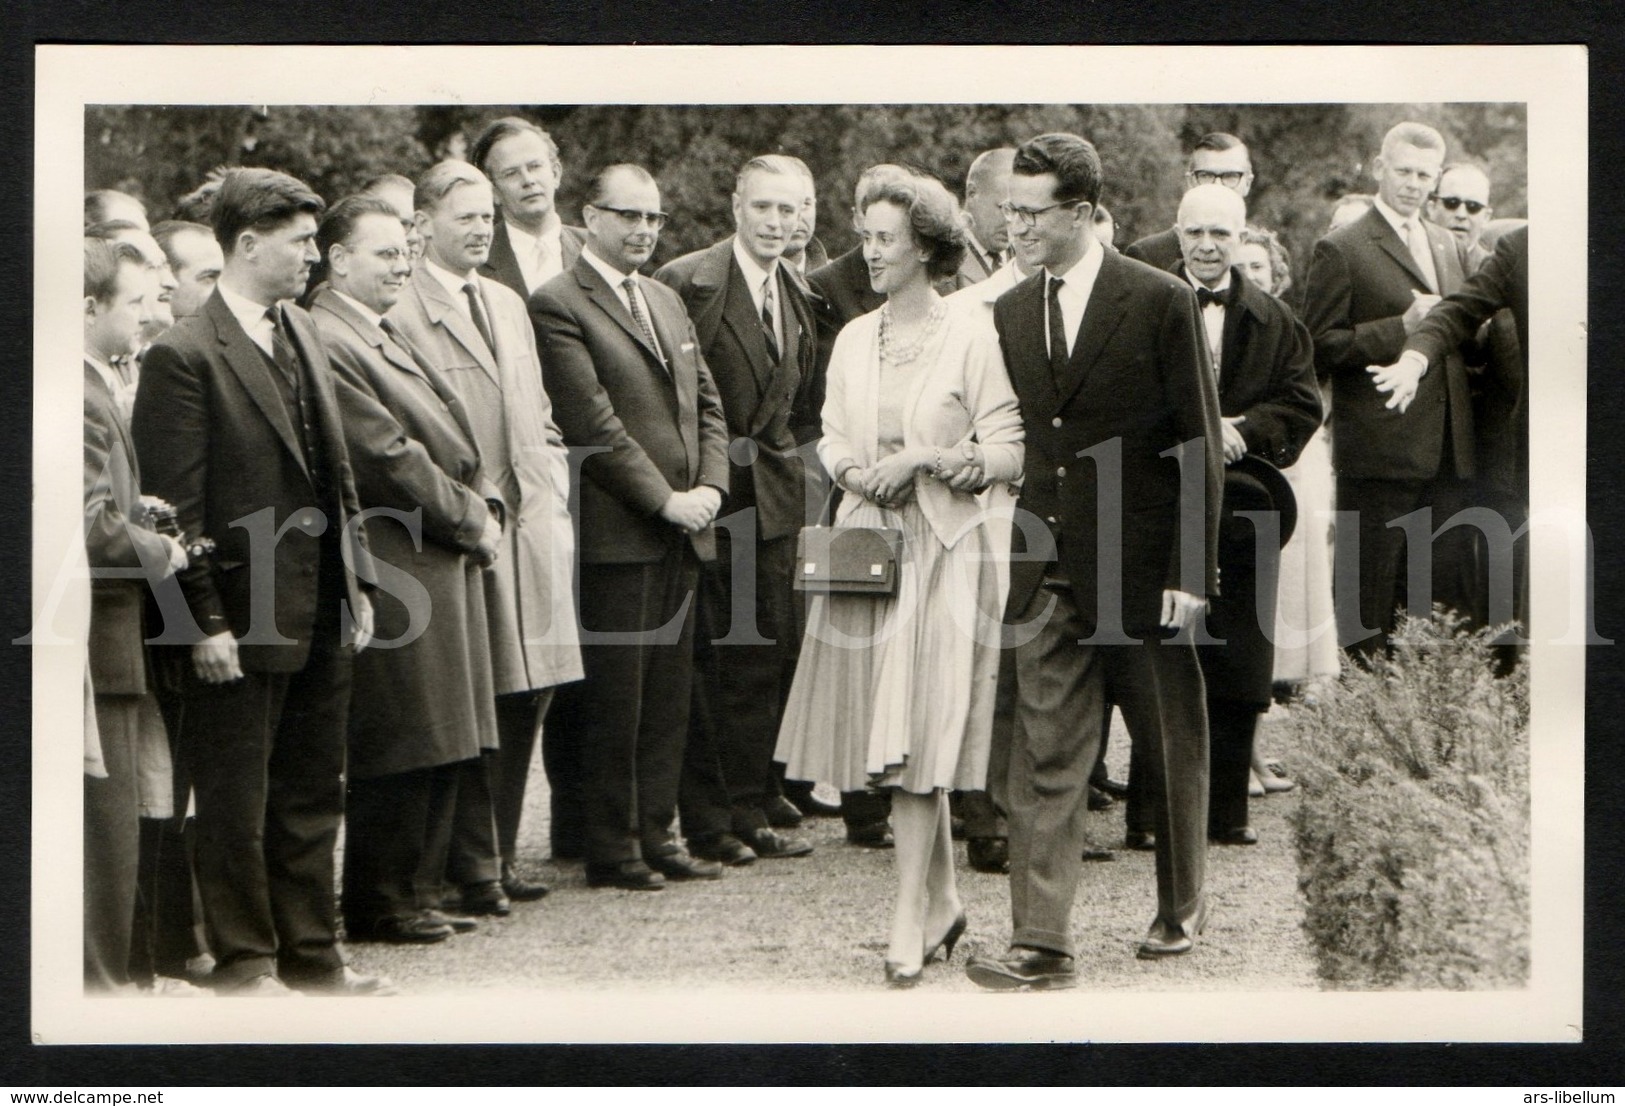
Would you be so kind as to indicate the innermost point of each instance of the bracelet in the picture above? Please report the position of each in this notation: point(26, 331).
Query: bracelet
point(936, 467)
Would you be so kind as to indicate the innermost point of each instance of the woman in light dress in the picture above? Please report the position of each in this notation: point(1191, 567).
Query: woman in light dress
point(897, 692)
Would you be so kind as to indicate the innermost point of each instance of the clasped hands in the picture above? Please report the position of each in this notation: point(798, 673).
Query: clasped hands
point(889, 482)
point(215, 659)
point(693, 510)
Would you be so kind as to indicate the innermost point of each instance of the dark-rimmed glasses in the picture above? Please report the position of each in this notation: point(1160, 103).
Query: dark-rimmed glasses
point(1450, 203)
point(1028, 217)
point(655, 219)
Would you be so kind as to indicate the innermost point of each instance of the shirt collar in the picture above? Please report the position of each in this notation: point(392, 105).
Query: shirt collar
point(1395, 219)
point(612, 275)
point(550, 232)
point(248, 313)
point(452, 281)
point(105, 371)
point(1086, 268)
point(755, 274)
point(366, 312)
point(1222, 290)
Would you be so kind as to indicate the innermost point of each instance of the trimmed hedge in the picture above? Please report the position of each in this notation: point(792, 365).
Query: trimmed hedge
point(1413, 830)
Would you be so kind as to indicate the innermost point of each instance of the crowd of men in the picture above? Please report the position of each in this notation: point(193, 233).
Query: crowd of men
point(380, 490)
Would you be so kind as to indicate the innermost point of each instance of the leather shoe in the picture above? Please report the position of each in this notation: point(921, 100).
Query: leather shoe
point(628, 875)
point(1023, 969)
point(724, 848)
point(519, 889)
point(988, 854)
point(876, 835)
point(770, 844)
point(1092, 853)
point(349, 983)
point(486, 898)
point(459, 923)
point(398, 929)
point(1163, 942)
point(1144, 842)
point(684, 866)
point(264, 985)
point(1117, 789)
point(1099, 800)
point(1239, 835)
point(781, 813)
point(811, 806)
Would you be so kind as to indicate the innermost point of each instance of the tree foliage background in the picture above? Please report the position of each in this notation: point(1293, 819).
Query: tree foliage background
point(1304, 155)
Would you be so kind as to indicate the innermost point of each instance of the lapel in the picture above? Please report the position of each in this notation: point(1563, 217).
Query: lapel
point(248, 363)
point(1240, 321)
point(1029, 363)
point(1389, 241)
point(784, 377)
point(1107, 301)
point(1443, 246)
point(502, 265)
point(739, 313)
point(330, 301)
point(671, 327)
point(599, 291)
point(438, 305)
point(571, 239)
point(317, 386)
point(94, 384)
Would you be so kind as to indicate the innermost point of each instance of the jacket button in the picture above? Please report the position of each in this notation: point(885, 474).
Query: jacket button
point(1051, 520)
point(1060, 472)
point(1056, 422)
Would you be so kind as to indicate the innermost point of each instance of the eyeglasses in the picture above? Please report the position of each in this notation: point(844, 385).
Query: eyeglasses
point(1028, 217)
point(1230, 178)
point(1450, 203)
point(655, 219)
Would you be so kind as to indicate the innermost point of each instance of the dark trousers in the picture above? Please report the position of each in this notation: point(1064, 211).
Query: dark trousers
point(396, 830)
point(163, 938)
point(1382, 556)
point(1231, 726)
point(1061, 691)
point(473, 855)
point(627, 721)
point(112, 850)
point(518, 717)
point(267, 755)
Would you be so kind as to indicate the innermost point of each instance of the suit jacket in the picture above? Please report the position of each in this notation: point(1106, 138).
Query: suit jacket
point(428, 701)
point(1138, 384)
point(655, 424)
point(1360, 283)
point(1160, 250)
point(216, 439)
point(115, 539)
point(759, 395)
point(529, 597)
point(973, 270)
point(503, 267)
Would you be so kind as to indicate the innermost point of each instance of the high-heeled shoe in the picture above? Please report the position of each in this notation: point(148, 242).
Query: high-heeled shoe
point(897, 976)
point(949, 941)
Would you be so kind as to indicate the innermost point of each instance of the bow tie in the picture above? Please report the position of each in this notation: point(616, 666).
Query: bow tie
point(1207, 297)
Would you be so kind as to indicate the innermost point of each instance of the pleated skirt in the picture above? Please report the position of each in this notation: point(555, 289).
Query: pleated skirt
point(1305, 620)
point(898, 691)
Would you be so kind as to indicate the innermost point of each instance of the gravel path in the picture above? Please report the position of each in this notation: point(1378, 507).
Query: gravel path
point(819, 923)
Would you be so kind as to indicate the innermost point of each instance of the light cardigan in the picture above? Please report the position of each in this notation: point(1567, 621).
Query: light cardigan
point(958, 390)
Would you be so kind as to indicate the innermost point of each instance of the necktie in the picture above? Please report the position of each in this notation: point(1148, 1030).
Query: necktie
point(482, 322)
point(282, 349)
point(1416, 238)
point(769, 323)
point(1058, 353)
point(631, 286)
point(995, 261)
point(546, 266)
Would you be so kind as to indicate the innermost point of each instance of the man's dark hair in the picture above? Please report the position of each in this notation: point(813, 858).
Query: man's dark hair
point(103, 259)
point(1073, 160)
point(1218, 141)
point(111, 229)
point(97, 203)
point(506, 127)
point(259, 200)
point(339, 222)
point(598, 187)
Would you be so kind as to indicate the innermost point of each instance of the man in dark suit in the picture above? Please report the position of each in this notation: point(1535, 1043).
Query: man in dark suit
point(804, 253)
point(1370, 285)
point(237, 426)
point(1461, 204)
point(757, 335)
point(421, 707)
point(1218, 158)
point(530, 245)
point(632, 391)
point(124, 553)
point(1501, 284)
point(1108, 360)
point(1269, 405)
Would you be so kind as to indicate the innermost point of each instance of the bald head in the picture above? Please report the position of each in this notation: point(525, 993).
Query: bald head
point(987, 185)
point(1211, 219)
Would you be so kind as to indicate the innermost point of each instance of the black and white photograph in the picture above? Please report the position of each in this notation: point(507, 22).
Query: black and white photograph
point(828, 544)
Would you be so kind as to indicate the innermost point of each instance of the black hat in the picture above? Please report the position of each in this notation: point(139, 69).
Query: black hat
point(1253, 484)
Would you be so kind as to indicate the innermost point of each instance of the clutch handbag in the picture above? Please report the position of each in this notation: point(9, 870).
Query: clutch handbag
point(855, 560)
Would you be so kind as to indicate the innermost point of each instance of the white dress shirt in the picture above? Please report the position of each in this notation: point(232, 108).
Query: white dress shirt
point(756, 278)
point(252, 317)
point(615, 278)
point(454, 285)
point(540, 256)
point(1076, 285)
point(1213, 318)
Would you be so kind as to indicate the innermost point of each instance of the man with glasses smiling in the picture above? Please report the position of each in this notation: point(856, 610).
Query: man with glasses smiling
point(1218, 158)
point(636, 401)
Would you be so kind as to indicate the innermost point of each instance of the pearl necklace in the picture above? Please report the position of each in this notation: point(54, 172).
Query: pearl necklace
point(891, 352)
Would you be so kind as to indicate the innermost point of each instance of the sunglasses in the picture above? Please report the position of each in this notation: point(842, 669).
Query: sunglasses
point(1450, 203)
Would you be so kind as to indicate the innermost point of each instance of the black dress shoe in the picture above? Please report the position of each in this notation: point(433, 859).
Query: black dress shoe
point(346, 982)
point(486, 898)
point(781, 813)
point(1238, 835)
point(724, 848)
point(409, 929)
point(949, 942)
point(876, 835)
point(1093, 854)
point(1163, 942)
point(519, 889)
point(628, 875)
point(459, 923)
point(956, 828)
point(1135, 839)
point(988, 854)
point(1023, 969)
point(684, 866)
point(771, 845)
point(1100, 800)
point(811, 806)
point(1117, 789)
